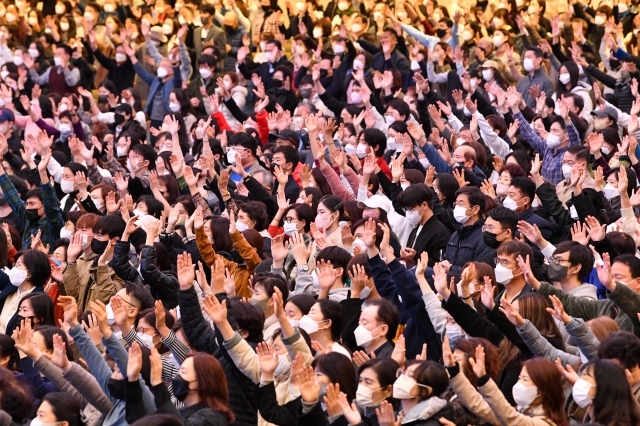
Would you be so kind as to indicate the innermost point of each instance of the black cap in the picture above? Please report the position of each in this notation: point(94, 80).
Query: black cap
point(126, 108)
point(289, 135)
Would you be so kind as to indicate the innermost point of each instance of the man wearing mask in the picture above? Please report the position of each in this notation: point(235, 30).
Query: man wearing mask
point(280, 92)
point(203, 80)
point(124, 121)
point(576, 156)
point(243, 148)
point(569, 265)
point(520, 195)
point(88, 277)
point(209, 32)
point(467, 244)
point(266, 70)
point(310, 96)
point(160, 87)
point(389, 57)
point(428, 234)
point(536, 76)
point(62, 78)
point(234, 34)
point(41, 210)
point(14, 142)
point(287, 158)
point(562, 135)
point(508, 272)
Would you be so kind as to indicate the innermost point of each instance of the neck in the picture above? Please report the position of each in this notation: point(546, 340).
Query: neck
point(5, 210)
point(472, 220)
point(426, 216)
point(323, 337)
point(514, 287)
point(533, 71)
point(26, 285)
point(332, 228)
point(570, 283)
point(192, 399)
point(408, 404)
point(387, 55)
point(375, 344)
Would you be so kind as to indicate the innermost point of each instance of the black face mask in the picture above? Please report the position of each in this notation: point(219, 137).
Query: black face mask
point(116, 388)
point(30, 320)
point(33, 215)
point(323, 73)
point(557, 272)
point(180, 388)
point(98, 247)
point(276, 83)
point(102, 99)
point(229, 28)
point(490, 240)
point(440, 32)
point(118, 118)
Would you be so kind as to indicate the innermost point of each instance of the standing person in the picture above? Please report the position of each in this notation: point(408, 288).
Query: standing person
point(62, 78)
point(209, 32)
point(536, 76)
point(160, 87)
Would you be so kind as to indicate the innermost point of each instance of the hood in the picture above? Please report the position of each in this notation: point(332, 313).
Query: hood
point(239, 89)
point(582, 87)
point(425, 409)
point(585, 290)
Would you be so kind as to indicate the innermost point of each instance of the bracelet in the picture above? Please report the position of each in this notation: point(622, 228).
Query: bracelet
point(465, 298)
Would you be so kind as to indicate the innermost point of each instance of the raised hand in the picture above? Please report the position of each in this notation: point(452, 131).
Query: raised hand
point(268, 359)
point(186, 271)
point(478, 364)
point(511, 313)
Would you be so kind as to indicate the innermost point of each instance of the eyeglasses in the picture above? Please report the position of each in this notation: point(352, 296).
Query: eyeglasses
point(503, 262)
point(289, 219)
point(144, 330)
point(491, 229)
point(557, 260)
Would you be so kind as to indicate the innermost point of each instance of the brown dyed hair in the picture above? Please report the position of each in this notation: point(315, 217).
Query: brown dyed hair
point(513, 169)
point(492, 359)
point(212, 384)
point(545, 376)
point(87, 220)
point(601, 327)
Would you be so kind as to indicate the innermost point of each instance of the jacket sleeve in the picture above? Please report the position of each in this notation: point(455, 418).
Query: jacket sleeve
point(163, 285)
point(540, 346)
point(134, 406)
point(493, 141)
point(434, 158)
point(436, 312)
point(258, 192)
point(578, 306)
point(470, 398)
point(472, 322)
point(246, 251)
point(606, 79)
point(244, 357)
point(71, 280)
point(504, 412)
point(177, 348)
point(629, 302)
point(55, 376)
point(87, 385)
point(93, 357)
point(586, 341)
point(33, 378)
point(206, 250)
point(335, 183)
point(269, 408)
point(198, 331)
point(120, 262)
point(507, 328)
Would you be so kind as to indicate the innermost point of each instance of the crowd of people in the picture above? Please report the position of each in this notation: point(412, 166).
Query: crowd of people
point(242, 212)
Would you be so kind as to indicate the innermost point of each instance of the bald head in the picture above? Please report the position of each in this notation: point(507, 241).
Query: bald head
point(465, 156)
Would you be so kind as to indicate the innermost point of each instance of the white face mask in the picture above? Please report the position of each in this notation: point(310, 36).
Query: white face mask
point(121, 57)
point(64, 128)
point(487, 74)
point(497, 40)
point(566, 171)
point(553, 141)
point(175, 107)
point(283, 364)
point(289, 228)
point(580, 393)
point(600, 19)
point(358, 65)
point(564, 78)
point(415, 66)
point(162, 73)
point(17, 276)
point(338, 49)
point(366, 291)
point(147, 340)
point(308, 325)
point(18, 60)
point(241, 226)
point(510, 204)
point(317, 32)
point(139, 213)
point(454, 332)
point(67, 186)
point(610, 191)
point(34, 53)
point(403, 386)
point(356, 28)
point(528, 64)
point(524, 395)
point(361, 150)
point(363, 336)
point(64, 26)
point(414, 217)
point(358, 242)
point(501, 190)
point(98, 203)
point(405, 185)
point(65, 233)
point(467, 35)
point(504, 275)
point(460, 215)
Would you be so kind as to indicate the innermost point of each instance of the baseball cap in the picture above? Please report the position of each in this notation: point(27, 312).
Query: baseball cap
point(126, 108)
point(289, 135)
point(374, 202)
point(607, 111)
point(6, 115)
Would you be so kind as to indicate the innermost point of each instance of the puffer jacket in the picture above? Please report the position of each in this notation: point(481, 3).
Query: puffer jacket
point(466, 245)
point(242, 390)
point(163, 284)
point(120, 263)
point(87, 281)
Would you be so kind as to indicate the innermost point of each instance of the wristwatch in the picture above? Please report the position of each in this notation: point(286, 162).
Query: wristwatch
point(303, 268)
point(244, 179)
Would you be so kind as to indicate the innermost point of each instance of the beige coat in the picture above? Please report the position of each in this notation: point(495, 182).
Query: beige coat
point(488, 403)
point(87, 283)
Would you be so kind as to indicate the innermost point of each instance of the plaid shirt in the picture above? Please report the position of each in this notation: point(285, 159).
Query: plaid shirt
point(50, 224)
point(552, 163)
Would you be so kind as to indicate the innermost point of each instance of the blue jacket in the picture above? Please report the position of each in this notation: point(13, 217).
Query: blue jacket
point(155, 82)
point(467, 245)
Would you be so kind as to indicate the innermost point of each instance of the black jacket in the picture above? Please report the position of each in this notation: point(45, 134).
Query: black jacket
point(264, 70)
point(546, 228)
point(467, 245)
point(242, 399)
point(163, 284)
point(121, 75)
point(433, 239)
point(131, 127)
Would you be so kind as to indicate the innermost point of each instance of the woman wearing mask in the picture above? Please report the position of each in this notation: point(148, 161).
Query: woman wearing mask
point(324, 324)
point(605, 394)
point(253, 215)
point(36, 308)
point(178, 102)
point(67, 28)
point(611, 192)
point(538, 393)
point(506, 173)
point(232, 89)
point(569, 82)
point(29, 274)
point(70, 185)
point(330, 213)
point(296, 219)
point(60, 409)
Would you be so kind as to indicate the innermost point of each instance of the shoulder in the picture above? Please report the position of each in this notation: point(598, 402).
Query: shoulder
point(207, 416)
